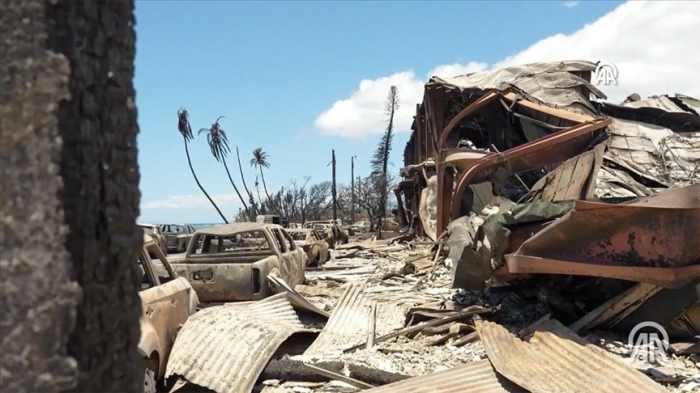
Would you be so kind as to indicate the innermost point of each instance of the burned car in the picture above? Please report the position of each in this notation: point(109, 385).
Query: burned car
point(167, 301)
point(155, 233)
point(231, 262)
point(333, 234)
point(178, 236)
point(312, 243)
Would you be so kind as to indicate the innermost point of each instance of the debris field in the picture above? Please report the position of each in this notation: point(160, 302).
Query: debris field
point(542, 226)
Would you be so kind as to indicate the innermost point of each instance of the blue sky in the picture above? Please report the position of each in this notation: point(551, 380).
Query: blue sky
point(272, 68)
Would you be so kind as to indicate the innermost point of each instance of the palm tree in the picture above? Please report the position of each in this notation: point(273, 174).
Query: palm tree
point(183, 125)
point(218, 143)
point(253, 207)
point(257, 189)
point(260, 160)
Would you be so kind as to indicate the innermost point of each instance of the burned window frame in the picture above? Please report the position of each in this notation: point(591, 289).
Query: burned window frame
point(201, 238)
point(290, 242)
point(144, 260)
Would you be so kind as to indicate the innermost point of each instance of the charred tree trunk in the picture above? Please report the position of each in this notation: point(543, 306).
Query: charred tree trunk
point(335, 203)
point(206, 194)
point(234, 185)
point(253, 209)
point(69, 197)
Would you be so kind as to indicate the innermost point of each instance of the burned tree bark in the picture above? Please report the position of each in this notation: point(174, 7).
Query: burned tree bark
point(69, 197)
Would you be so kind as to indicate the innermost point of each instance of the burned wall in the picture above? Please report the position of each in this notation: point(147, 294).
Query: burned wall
point(69, 197)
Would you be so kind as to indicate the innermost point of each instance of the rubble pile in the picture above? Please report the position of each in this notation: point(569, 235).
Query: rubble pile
point(552, 246)
point(394, 317)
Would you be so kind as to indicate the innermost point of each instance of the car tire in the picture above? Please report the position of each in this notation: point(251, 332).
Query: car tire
point(183, 248)
point(149, 376)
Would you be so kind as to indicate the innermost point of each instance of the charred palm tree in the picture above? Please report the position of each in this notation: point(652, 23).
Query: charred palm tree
point(260, 160)
point(253, 206)
point(183, 125)
point(218, 143)
point(257, 189)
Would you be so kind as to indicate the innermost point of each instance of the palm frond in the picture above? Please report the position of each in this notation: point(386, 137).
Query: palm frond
point(183, 124)
point(260, 157)
point(217, 140)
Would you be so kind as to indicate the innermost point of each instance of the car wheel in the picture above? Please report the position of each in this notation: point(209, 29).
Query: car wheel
point(149, 378)
point(183, 248)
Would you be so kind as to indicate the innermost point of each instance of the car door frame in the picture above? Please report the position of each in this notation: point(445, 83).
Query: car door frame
point(169, 304)
point(296, 253)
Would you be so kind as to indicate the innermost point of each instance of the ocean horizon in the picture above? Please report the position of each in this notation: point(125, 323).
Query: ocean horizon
point(206, 225)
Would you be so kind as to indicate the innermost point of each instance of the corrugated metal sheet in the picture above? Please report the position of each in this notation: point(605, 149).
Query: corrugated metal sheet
point(557, 360)
point(573, 179)
point(349, 323)
point(690, 102)
point(470, 378)
point(551, 82)
point(225, 348)
point(661, 152)
point(659, 102)
point(281, 286)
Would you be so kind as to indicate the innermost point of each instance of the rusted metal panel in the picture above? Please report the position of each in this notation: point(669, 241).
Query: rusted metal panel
point(557, 360)
point(652, 241)
point(349, 323)
point(469, 378)
point(552, 149)
point(225, 348)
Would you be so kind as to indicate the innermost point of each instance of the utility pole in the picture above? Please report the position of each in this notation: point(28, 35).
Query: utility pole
point(352, 189)
point(335, 204)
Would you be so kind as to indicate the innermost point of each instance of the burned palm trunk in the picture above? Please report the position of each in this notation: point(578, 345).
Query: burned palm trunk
point(38, 295)
point(100, 196)
point(69, 178)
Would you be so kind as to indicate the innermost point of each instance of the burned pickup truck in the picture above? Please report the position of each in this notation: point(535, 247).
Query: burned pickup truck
point(177, 235)
point(313, 244)
point(167, 301)
point(231, 262)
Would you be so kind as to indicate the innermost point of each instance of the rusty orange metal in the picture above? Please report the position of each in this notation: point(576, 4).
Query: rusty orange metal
point(445, 180)
point(653, 240)
point(552, 149)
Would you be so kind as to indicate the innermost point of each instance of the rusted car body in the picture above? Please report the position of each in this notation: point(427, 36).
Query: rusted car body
point(313, 244)
point(232, 262)
point(334, 234)
point(167, 302)
point(155, 233)
point(178, 236)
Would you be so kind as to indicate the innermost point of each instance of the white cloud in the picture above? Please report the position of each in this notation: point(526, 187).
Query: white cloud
point(362, 114)
point(193, 202)
point(650, 43)
point(571, 4)
point(455, 69)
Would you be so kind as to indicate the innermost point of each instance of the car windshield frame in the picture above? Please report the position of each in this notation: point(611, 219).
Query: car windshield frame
point(199, 239)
